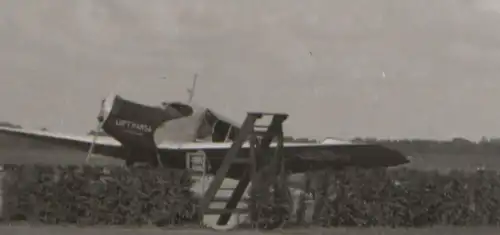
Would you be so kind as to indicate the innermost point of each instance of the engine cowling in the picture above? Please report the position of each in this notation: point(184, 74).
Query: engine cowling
point(134, 124)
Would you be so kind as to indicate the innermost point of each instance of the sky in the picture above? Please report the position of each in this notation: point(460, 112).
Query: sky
point(340, 68)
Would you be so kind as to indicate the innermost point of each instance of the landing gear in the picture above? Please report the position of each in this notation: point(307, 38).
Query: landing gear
point(272, 200)
point(276, 210)
point(129, 163)
point(143, 157)
point(152, 163)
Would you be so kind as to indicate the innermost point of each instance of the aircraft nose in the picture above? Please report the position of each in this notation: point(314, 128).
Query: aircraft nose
point(106, 106)
point(402, 159)
point(398, 158)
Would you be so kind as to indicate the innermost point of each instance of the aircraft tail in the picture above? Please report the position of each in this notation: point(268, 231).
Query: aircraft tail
point(134, 124)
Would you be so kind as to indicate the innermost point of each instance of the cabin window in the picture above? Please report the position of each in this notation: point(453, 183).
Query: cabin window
point(220, 131)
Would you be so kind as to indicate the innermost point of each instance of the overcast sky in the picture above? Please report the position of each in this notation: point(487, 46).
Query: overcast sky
point(386, 68)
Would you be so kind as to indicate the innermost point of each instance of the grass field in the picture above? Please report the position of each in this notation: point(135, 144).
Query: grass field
point(60, 230)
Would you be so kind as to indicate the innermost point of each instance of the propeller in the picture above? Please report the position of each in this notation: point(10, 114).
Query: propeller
point(192, 89)
point(100, 120)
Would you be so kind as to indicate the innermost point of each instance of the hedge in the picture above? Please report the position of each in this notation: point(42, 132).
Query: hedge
point(88, 195)
point(409, 198)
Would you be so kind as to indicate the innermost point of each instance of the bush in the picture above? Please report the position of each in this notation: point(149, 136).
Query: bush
point(404, 197)
point(90, 195)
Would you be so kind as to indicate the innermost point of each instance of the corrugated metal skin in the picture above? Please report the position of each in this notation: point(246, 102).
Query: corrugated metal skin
point(164, 123)
point(199, 126)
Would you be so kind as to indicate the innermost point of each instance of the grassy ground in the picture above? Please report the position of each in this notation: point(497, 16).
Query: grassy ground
point(59, 230)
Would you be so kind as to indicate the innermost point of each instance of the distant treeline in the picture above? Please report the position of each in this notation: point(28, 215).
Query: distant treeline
point(8, 124)
point(486, 146)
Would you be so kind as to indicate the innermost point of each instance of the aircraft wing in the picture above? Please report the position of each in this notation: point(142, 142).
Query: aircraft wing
point(103, 145)
point(338, 152)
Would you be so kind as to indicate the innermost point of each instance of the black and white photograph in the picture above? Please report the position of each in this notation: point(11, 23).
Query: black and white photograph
point(249, 116)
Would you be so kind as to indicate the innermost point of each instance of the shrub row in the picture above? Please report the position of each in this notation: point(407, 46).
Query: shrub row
point(405, 197)
point(354, 197)
point(88, 195)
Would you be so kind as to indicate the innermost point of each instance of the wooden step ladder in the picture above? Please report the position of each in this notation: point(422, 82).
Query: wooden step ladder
point(259, 138)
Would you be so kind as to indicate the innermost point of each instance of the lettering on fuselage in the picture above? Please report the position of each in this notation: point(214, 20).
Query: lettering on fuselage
point(134, 126)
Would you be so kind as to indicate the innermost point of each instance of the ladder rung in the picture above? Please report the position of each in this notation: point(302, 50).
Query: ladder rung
point(267, 113)
point(261, 126)
point(226, 188)
point(242, 160)
point(260, 133)
point(213, 211)
point(226, 199)
point(247, 129)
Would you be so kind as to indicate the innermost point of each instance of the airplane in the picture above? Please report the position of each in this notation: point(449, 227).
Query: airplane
point(139, 133)
point(164, 136)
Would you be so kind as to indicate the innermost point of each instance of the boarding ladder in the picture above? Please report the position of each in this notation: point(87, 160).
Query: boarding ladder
point(259, 138)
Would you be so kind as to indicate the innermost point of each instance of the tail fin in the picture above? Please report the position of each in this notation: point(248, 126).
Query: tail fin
point(134, 124)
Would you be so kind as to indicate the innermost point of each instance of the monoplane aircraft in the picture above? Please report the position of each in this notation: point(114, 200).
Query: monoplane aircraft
point(167, 135)
point(164, 135)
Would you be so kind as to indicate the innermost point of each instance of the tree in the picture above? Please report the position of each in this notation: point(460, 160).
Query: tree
point(8, 124)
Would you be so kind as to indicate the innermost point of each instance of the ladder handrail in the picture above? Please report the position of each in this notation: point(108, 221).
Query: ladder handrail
point(248, 132)
point(247, 127)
